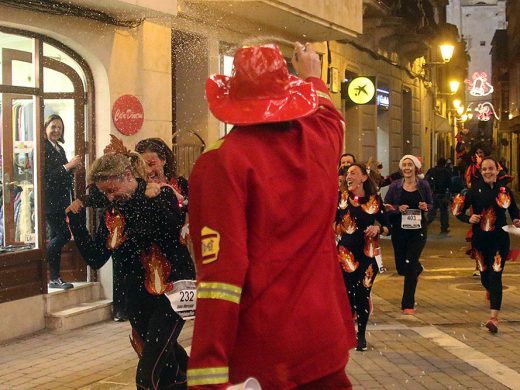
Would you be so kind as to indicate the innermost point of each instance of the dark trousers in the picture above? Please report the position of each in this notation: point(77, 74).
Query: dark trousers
point(164, 362)
point(441, 202)
point(408, 246)
point(118, 288)
point(359, 285)
point(491, 275)
point(59, 235)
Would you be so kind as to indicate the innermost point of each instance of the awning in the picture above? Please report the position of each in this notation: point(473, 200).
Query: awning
point(441, 124)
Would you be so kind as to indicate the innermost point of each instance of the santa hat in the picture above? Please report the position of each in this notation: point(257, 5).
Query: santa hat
point(414, 159)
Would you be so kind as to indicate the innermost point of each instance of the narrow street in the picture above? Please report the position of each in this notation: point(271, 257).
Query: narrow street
point(442, 346)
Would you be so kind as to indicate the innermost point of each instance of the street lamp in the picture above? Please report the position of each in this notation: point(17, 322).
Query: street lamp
point(454, 87)
point(457, 103)
point(446, 53)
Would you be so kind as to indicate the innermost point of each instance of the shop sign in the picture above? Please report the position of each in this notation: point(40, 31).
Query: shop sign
point(382, 99)
point(362, 90)
point(128, 114)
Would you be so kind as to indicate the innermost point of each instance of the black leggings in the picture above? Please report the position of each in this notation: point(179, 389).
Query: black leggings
point(59, 235)
point(359, 285)
point(408, 247)
point(164, 362)
point(491, 272)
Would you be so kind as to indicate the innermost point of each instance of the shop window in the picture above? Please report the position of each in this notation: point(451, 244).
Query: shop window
point(25, 102)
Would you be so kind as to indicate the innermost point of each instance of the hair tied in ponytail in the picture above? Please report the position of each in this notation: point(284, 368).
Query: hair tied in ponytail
point(116, 146)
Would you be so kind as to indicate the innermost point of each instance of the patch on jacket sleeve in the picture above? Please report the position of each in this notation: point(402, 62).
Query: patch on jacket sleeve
point(210, 245)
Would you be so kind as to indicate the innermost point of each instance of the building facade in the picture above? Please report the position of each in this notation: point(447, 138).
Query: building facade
point(505, 56)
point(91, 61)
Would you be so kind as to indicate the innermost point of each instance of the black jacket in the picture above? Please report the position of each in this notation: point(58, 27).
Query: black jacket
point(58, 182)
point(489, 203)
point(439, 179)
point(147, 221)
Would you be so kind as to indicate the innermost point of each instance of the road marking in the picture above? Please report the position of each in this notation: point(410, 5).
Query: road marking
point(480, 361)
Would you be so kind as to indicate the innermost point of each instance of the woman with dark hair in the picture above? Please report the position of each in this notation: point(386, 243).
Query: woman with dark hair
point(488, 200)
point(59, 174)
point(360, 207)
point(408, 201)
point(161, 165)
point(141, 235)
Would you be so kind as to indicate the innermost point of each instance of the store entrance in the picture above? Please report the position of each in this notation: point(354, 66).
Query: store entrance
point(37, 79)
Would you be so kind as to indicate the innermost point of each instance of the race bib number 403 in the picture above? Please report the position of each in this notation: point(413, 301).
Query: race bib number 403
point(411, 219)
point(183, 298)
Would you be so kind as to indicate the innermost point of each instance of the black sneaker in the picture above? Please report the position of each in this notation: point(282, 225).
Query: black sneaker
point(361, 344)
point(59, 283)
point(120, 316)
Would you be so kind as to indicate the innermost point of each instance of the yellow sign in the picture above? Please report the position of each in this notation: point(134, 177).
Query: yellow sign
point(210, 245)
point(362, 90)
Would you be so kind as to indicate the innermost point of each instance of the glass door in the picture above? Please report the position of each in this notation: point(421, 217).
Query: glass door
point(18, 217)
point(38, 77)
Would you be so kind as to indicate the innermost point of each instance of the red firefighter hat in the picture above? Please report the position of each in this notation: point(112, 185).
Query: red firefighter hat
point(260, 90)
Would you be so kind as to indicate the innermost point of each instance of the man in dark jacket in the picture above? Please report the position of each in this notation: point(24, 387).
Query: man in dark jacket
point(439, 178)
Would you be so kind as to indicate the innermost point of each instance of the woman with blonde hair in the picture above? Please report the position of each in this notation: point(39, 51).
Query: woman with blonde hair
point(142, 235)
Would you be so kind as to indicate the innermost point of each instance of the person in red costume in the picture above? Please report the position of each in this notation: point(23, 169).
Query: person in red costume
point(271, 302)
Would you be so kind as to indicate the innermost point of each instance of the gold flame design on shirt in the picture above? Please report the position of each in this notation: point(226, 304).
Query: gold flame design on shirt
point(503, 200)
point(115, 223)
point(158, 271)
point(457, 204)
point(346, 259)
point(371, 244)
point(487, 220)
point(343, 202)
point(348, 225)
point(372, 206)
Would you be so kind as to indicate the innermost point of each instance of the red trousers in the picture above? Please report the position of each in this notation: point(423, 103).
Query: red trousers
point(337, 381)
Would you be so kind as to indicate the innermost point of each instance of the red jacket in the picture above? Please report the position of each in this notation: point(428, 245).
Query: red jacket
point(271, 299)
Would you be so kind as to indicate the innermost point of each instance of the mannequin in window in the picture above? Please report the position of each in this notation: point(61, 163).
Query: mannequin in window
point(59, 174)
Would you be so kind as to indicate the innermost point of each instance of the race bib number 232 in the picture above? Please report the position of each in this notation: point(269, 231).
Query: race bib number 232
point(183, 298)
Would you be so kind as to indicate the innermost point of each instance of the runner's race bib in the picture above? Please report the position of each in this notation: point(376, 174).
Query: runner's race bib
point(183, 298)
point(411, 219)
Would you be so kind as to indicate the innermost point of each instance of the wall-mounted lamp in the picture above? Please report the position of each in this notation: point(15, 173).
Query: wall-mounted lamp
point(446, 53)
point(457, 103)
point(454, 87)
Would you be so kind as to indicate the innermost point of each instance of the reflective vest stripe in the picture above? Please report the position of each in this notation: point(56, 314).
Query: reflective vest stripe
point(208, 376)
point(215, 290)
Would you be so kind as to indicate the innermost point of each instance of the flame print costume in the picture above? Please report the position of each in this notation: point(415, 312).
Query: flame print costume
point(490, 244)
point(356, 251)
point(142, 237)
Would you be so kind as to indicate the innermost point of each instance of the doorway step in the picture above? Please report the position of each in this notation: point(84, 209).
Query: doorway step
point(76, 307)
